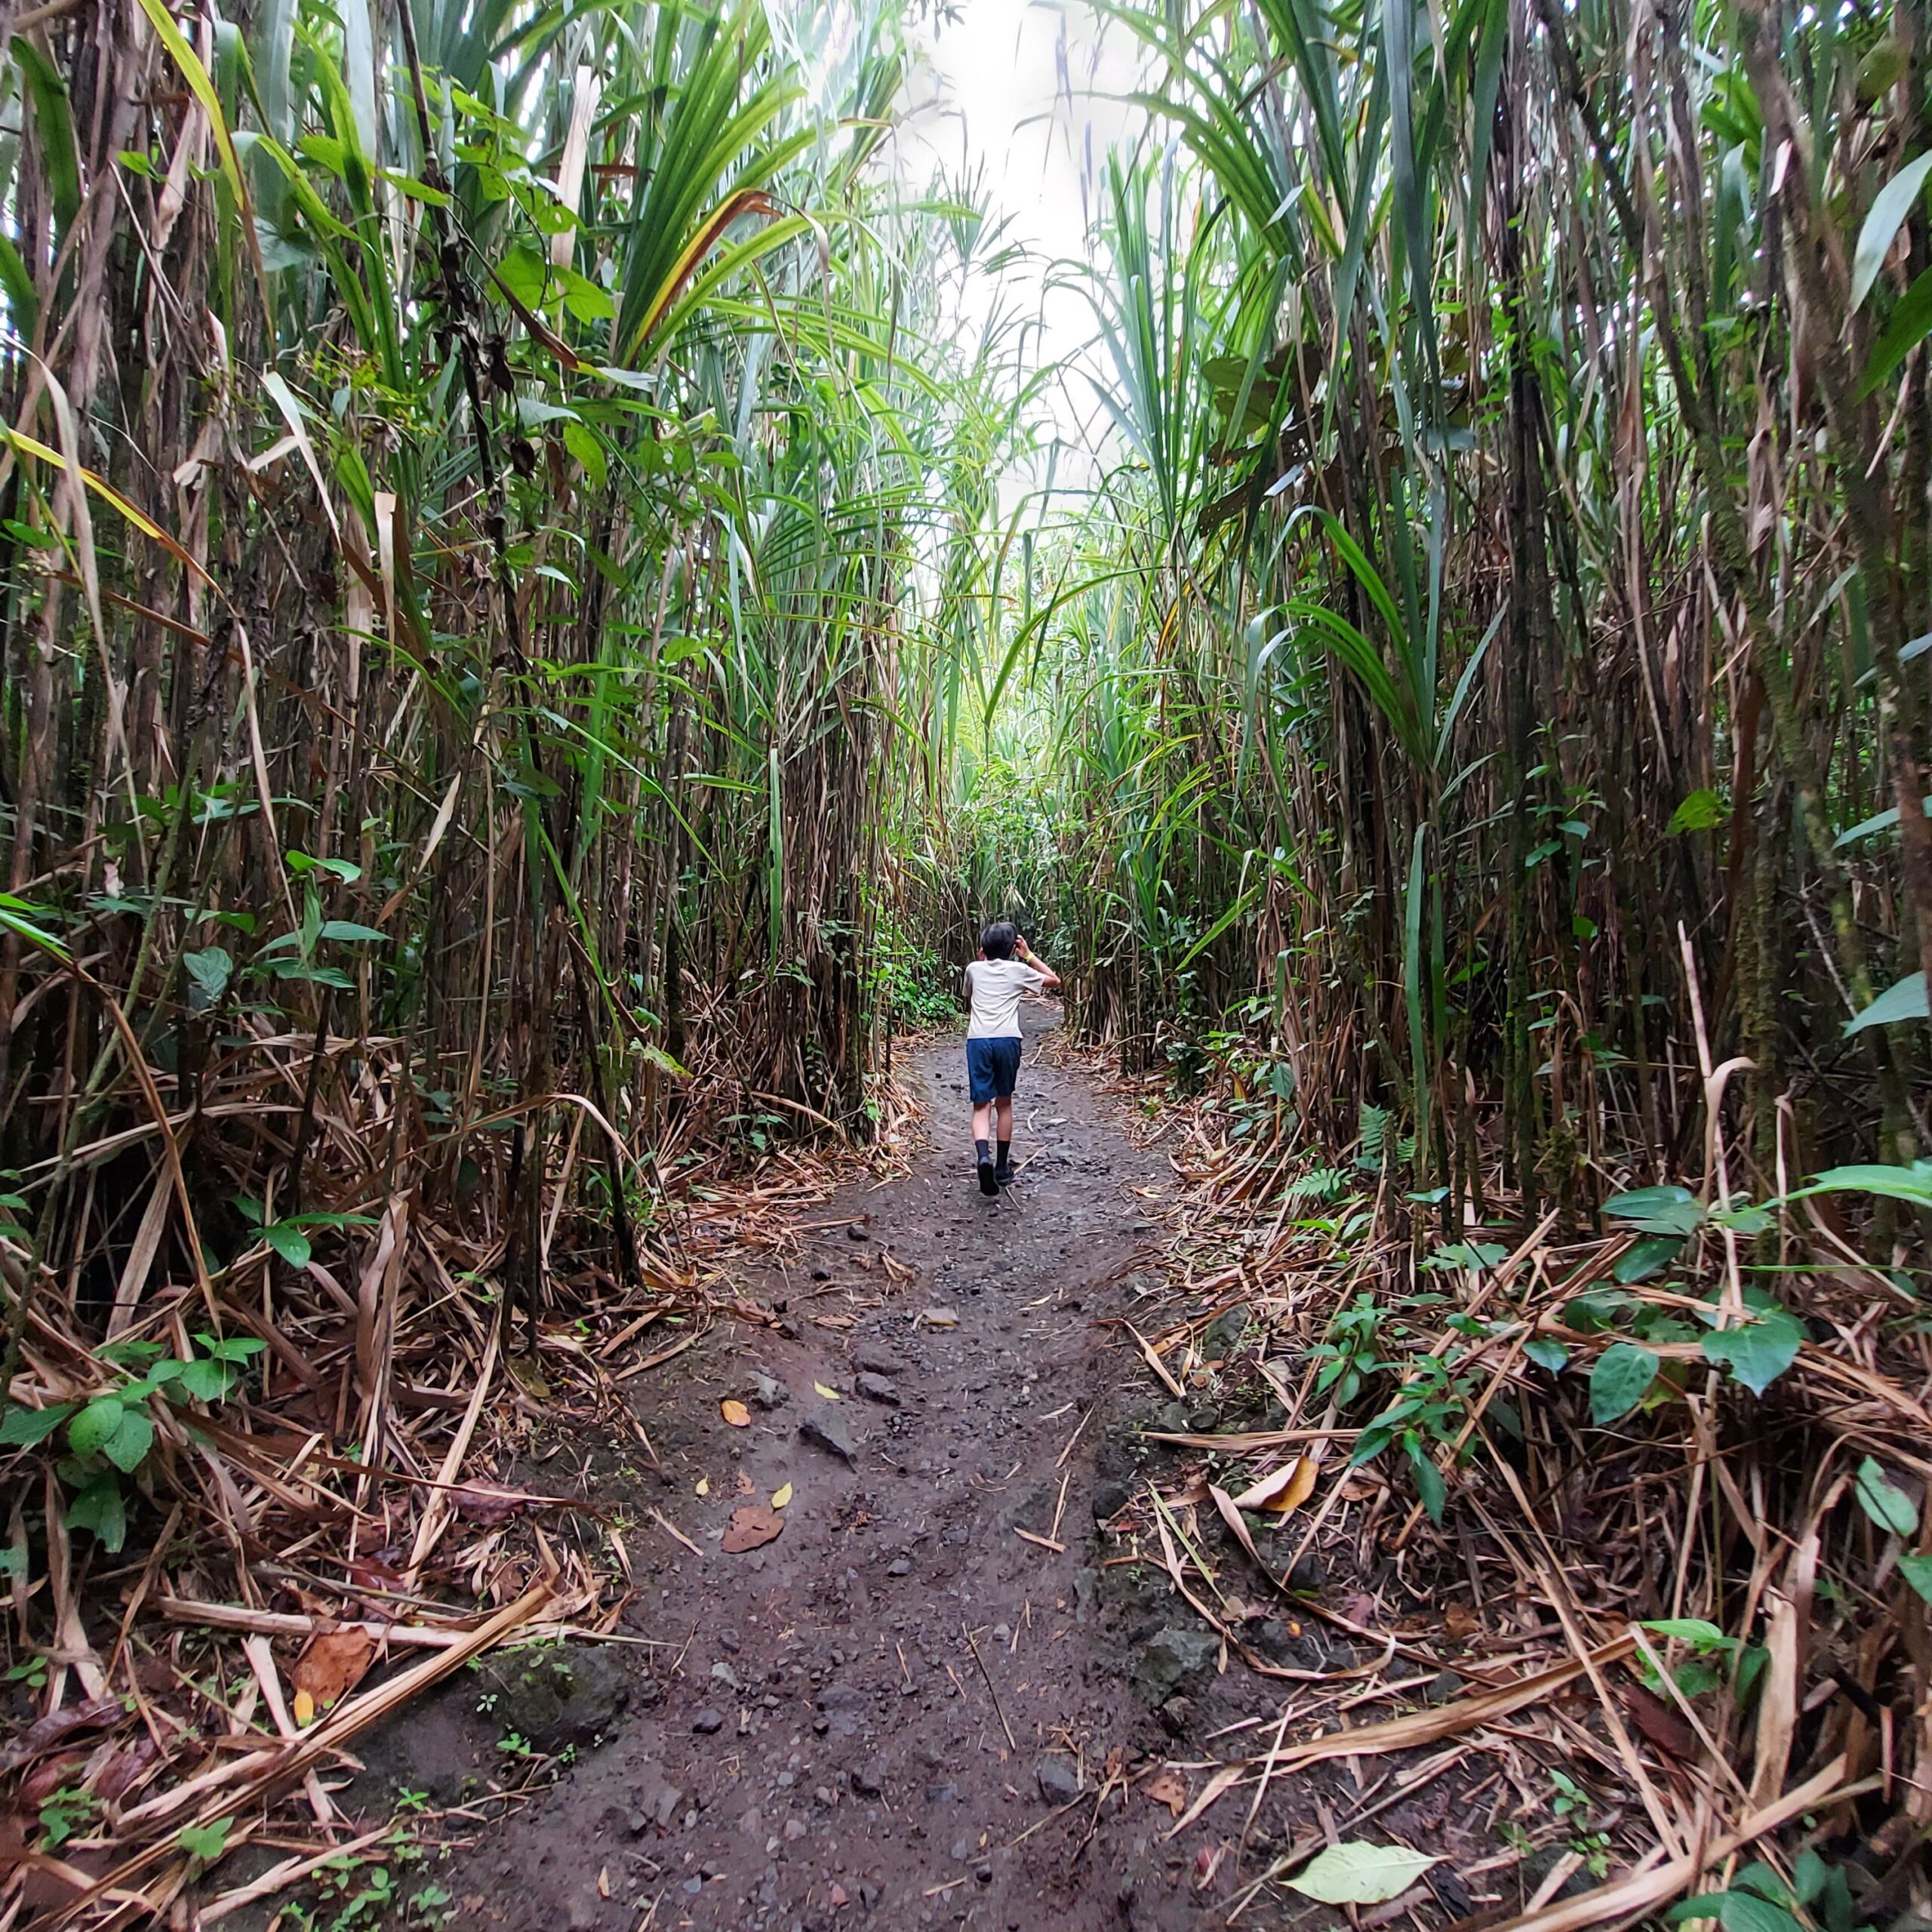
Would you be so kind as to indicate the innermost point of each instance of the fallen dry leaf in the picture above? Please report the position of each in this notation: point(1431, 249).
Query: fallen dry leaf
point(305, 1709)
point(492, 1508)
point(1282, 1490)
point(830, 1395)
point(1168, 1788)
point(781, 1496)
point(1460, 1621)
point(1664, 1727)
point(704, 1485)
point(751, 1525)
point(735, 1413)
point(332, 1664)
point(604, 1883)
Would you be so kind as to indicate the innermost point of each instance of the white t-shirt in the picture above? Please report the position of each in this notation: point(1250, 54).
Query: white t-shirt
point(994, 986)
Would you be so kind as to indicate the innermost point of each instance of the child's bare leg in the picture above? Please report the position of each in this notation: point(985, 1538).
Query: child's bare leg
point(983, 1125)
point(1003, 1113)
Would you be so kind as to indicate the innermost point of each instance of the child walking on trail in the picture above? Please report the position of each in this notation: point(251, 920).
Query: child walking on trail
point(1006, 968)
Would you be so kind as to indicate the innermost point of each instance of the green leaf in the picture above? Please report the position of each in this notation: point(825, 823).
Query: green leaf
point(1647, 1258)
point(100, 1509)
point(1746, 1912)
point(96, 1426)
point(1890, 208)
point(21, 1429)
point(209, 972)
point(582, 444)
point(1357, 1873)
point(1620, 1379)
point(1703, 810)
point(1429, 1485)
point(525, 271)
point(349, 929)
point(206, 1381)
point(1913, 1183)
point(1547, 1354)
point(206, 1843)
point(1894, 1006)
point(1917, 1570)
point(1658, 1211)
point(128, 1447)
point(291, 1244)
point(1694, 1630)
point(1907, 326)
point(1760, 1352)
point(1882, 1500)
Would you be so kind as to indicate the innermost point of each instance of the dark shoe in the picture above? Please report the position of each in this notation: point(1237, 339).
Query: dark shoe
point(989, 1185)
point(1003, 1173)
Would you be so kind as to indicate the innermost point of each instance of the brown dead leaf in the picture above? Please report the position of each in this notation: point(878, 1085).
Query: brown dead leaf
point(1665, 1728)
point(1460, 1621)
point(44, 1733)
point(752, 1525)
point(332, 1664)
point(125, 1770)
point(735, 1413)
point(1168, 1788)
point(492, 1508)
point(1282, 1490)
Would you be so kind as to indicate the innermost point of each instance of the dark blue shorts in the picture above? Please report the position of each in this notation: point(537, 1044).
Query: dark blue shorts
point(992, 1067)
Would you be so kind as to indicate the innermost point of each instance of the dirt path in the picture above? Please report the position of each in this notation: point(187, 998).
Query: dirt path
point(818, 1743)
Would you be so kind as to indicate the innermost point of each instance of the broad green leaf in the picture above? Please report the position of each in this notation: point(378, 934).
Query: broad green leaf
point(1882, 1500)
point(99, 1508)
point(1890, 208)
point(1620, 1379)
point(1701, 810)
point(291, 1244)
point(21, 1429)
point(209, 971)
point(1760, 1352)
point(1548, 1354)
point(1357, 1873)
point(1895, 1183)
point(347, 929)
point(128, 1448)
point(96, 1426)
point(1895, 1005)
point(1658, 1211)
point(1746, 1912)
point(1917, 1570)
point(1646, 1259)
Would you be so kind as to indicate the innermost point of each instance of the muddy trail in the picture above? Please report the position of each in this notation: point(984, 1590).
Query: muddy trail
point(902, 1709)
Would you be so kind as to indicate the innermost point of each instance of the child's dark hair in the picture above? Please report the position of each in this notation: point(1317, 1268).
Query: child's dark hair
point(998, 940)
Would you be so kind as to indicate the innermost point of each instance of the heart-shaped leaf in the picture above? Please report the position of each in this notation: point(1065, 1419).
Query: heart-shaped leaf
point(1620, 1381)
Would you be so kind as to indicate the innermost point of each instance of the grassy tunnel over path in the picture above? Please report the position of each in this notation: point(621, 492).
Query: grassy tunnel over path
point(551, 578)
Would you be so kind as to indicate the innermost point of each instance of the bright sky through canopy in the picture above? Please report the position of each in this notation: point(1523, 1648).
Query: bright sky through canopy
point(1023, 97)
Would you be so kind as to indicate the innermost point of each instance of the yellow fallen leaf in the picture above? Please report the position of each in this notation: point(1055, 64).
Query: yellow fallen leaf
point(1283, 1489)
point(781, 1496)
point(735, 1413)
point(305, 1708)
point(830, 1395)
point(604, 1883)
point(704, 1485)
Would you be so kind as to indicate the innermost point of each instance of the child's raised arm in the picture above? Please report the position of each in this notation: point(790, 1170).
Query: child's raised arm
point(1039, 965)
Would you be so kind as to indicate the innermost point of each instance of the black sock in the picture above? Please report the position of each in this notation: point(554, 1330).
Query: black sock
point(984, 1150)
point(1006, 1153)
